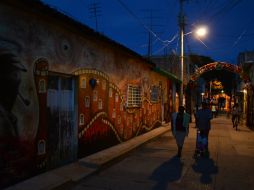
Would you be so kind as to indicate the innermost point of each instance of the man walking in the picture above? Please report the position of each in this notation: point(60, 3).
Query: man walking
point(236, 111)
point(203, 120)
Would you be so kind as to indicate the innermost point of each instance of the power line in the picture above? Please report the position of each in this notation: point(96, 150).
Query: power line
point(141, 23)
point(167, 44)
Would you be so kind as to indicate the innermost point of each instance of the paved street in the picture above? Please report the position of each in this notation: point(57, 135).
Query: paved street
point(154, 165)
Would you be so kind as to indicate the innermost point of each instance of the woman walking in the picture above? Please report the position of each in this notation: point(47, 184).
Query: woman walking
point(180, 127)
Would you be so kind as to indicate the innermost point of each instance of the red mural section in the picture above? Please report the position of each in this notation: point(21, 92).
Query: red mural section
point(41, 80)
point(107, 116)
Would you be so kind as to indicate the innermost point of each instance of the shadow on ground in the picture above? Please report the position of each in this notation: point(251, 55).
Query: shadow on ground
point(206, 167)
point(169, 171)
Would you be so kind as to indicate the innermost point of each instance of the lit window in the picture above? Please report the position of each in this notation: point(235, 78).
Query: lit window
point(133, 96)
point(42, 86)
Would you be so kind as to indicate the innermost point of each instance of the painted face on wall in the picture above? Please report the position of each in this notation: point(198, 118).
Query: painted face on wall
point(10, 78)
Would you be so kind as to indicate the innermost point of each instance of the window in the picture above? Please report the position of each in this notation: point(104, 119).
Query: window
point(87, 101)
point(116, 97)
point(110, 92)
point(81, 119)
point(133, 96)
point(95, 95)
point(41, 147)
point(119, 120)
point(100, 104)
point(114, 113)
point(155, 93)
point(121, 107)
point(104, 84)
point(42, 86)
point(83, 83)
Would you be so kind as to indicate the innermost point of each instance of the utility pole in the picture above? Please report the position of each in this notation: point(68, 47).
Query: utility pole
point(181, 20)
point(94, 9)
point(151, 28)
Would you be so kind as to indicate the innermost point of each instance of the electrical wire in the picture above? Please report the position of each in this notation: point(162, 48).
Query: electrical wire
point(142, 24)
point(167, 44)
point(239, 38)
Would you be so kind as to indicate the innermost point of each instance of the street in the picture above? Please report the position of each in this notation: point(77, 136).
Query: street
point(155, 166)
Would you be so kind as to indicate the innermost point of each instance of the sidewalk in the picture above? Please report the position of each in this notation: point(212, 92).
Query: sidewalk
point(154, 165)
point(86, 166)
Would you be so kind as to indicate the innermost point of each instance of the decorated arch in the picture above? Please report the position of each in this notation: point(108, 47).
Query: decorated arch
point(219, 66)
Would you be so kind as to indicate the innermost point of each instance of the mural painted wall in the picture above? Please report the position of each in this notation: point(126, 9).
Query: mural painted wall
point(65, 94)
point(113, 114)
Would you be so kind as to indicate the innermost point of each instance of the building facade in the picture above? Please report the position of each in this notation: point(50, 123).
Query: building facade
point(246, 61)
point(69, 91)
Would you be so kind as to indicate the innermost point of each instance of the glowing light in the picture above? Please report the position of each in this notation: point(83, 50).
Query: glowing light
point(201, 31)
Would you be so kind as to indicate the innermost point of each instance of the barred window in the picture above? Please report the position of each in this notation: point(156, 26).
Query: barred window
point(133, 96)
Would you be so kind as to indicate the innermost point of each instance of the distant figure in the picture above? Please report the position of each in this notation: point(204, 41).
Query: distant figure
point(214, 110)
point(236, 111)
point(203, 120)
point(195, 112)
point(180, 127)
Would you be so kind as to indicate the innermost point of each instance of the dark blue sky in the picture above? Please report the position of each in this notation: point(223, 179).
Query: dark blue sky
point(230, 22)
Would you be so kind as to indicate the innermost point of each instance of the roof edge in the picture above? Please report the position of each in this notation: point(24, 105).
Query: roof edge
point(167, 74)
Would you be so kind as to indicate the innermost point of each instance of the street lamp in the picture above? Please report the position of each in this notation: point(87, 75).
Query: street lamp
point(199, 32)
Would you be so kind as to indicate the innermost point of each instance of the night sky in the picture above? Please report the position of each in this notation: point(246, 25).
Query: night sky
point(128, 22)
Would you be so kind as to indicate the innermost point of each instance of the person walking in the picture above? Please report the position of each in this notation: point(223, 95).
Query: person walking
point(236, 111)
point(180, 127)
point(214, 111)
point(203, 121)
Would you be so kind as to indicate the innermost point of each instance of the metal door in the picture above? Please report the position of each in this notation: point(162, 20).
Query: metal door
point(61, 129)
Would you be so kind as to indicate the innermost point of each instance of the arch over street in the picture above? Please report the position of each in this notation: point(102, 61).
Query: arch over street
point(219, 66)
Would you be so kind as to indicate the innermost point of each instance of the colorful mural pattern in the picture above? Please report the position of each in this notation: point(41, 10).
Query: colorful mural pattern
point(112, 122)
